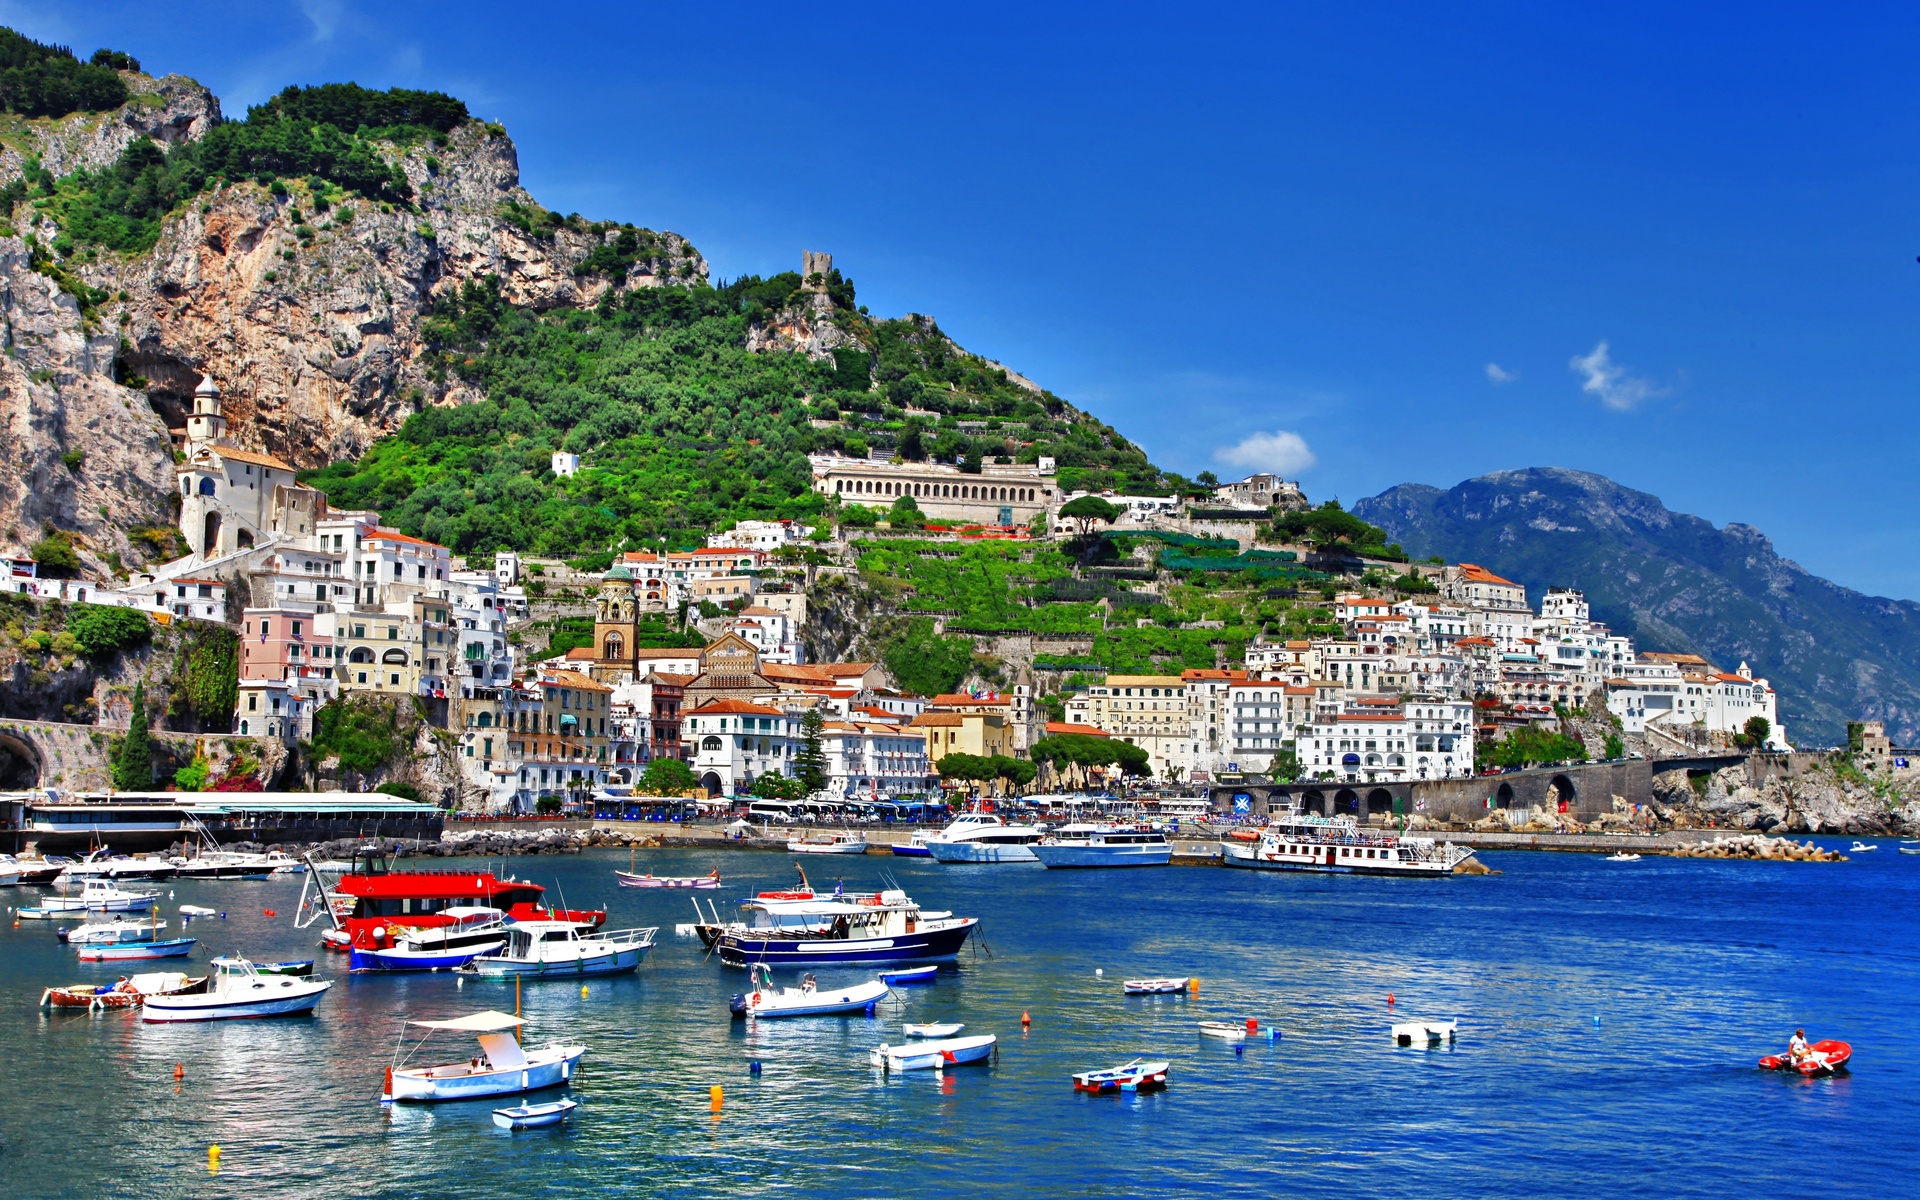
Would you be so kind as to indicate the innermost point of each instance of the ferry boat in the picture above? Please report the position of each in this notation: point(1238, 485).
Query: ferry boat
point(1298, 841)
point(887, 927)
point(374, 906)
point(1103, 846)
point(984, 838)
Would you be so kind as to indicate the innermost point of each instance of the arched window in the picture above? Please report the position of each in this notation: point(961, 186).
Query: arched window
point(243, 728)
point(397, 658)
point(206, 486)
point(360, 655)
point(486, 720)
point(614, 646)
point(710, 743)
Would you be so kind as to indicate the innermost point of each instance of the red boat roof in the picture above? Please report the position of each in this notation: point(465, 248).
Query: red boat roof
point(437, 885)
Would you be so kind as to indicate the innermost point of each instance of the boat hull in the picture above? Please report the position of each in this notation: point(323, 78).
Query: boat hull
point(608, 962)
point(826, 1002)
point(125, 951)
point(534, 1116)
point(981, 852)
point(417, 960)
point(1125, 855)
point(545, 1068)
point(826, 848)
point(904, 850)
point(933, 1055)
point(923, 945)
point(1327, 861)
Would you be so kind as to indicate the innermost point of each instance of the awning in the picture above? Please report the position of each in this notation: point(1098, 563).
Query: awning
point(480, 1022)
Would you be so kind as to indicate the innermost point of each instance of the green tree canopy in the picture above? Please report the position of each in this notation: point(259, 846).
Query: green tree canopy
point(1085, 511)
point(133, 765)
point(926, 663)
point(667, 777)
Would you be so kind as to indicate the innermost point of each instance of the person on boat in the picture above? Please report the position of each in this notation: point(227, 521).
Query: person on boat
point(1798, 1050)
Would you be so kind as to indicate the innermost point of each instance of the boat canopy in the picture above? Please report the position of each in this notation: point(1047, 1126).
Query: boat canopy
point(480, 1022)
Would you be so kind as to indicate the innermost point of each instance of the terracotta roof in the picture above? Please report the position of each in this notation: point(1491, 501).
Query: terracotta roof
point(674, 680)
point(1229, 673)
point(1300, 691)
point(846, 668)
point(714, 708)
point(936, 718)
point(758, 610)
point(574, 679)
point(1070, 727)
point(581, 654)
point(1475, 573)
point(390, 535)
point(960, 700)
point(1371, 717)
point(251, 456)
point(794, 674)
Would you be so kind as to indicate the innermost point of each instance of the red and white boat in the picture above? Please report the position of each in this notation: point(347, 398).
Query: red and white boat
point(373, 905)
point(1826, 1057)
point(1136, 1076)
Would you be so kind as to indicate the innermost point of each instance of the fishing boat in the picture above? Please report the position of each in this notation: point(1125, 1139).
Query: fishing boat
point(379, 902)
point(127, 951)
point(1225, 1030)
point(1154, 987)
point(128, 992)
point(1824, 1058)
point(97, 895)
point(1623, 856)
point(472, 930)
point(1427, 1033)
point(839, 843)
point(533, 1116)
point(239, 994)
point(628, 879)
point(934, 1055)
point(1136, 1076)
point(1862, 848)
point(910, 977)
point(984, 838)
point(887, 927)
point(913, 847)
point(1103, 846)
point(297, 966)
point(502, 1068)
point(807, 1000)
point(932, 1029)
point(110, 933)
point(550, 949)
point(1299, 841)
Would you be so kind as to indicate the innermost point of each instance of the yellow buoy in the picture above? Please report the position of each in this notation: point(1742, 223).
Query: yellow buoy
point(714, 1096)
point(213, 1160)
point(583, 991)
point(1193, 985)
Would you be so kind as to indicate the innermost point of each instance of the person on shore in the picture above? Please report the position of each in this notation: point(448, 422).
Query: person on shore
point(1798, 1051)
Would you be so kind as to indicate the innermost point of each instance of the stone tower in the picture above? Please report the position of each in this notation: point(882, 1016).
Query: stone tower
point(205, 426)
point(815, 263)
point(616, 620)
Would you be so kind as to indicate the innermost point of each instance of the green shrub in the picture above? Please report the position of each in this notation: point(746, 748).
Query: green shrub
point(55, 555)
point(405, 791)
point(38, 80)
point(363, 731)
point(102, 631)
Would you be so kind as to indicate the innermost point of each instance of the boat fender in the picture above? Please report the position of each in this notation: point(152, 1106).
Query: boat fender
point(386, 1093)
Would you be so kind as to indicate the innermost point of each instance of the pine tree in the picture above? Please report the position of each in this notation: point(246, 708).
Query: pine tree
point(133, 768)
point(810, 762)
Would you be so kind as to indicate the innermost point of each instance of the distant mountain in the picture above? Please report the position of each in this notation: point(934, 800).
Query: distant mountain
point(1675, 583)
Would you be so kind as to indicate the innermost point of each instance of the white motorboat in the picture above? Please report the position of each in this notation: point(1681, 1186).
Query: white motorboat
point(547, 949)
point(1155, 987)
point(19, 871)
point(839, 843)
point(933, 1029)
point(1427, 1033)
point(1298, 841)
point(913, 847)
point(198, 910)
point(1224, 1029)
point(9, 871)
point(502, 1068)
point(934, 1055)
point(984, 838)
point(472, 930)
point(807, 1000)
point(98, 895)
point(887, 927)
point(111, 933)
point(1862, 848)
point(533, 1116)
point(1103, 846)
point(237, 994)
point(1622, 856)
point(101, 865)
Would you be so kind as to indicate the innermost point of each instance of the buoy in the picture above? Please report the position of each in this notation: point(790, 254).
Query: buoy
point(1099, 971)
point(753, 1068)
point(583, 991)
point(1193, 985)
point(179, 1070)
point(1389, 999)
point(1273, 1035)
point(713, 1098)
point(1239, 1048)
point(213, 1158)
point(1253, 1025)
point(1025, 1020)
point(267, 911)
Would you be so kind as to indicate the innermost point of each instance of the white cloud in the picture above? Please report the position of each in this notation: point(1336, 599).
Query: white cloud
point(1499, 374)
point(1609, 382)
point(1280, 452)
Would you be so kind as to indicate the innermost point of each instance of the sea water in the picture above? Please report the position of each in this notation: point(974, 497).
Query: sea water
point(1610, 1016)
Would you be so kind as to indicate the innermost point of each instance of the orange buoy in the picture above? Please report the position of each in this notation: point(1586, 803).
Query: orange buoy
point(1025, 1020)
point(714, 1097)
point(268, 911)
point(1389, 999)
point(179, 1071)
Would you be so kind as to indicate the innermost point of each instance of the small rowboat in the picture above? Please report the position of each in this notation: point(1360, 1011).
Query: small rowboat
point(1910, 849)
point(933, 1029)
point(127, 993)
point(195, 910)
point(1224, 1029)
point(1425, 1032)
point(935, 1055)
point(1623, 856)
point(123, 951)
point(1827, 1057)
point(1154, 987)
point(912, 976)
point(531, 1116)
point(629, 879)
point(1135, 1076)
point(298, 966)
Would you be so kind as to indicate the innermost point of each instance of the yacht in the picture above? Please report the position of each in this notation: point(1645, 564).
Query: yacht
point(101, 865)
point(1297, 841)
point(1103, 846)
point(984, 838)
point(888, 927)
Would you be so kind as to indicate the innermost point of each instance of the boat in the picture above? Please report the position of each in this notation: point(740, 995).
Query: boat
point(533, 1116)
point(1427, 1033)
point(1861, 848)
point(239, 994)
point(9, 871)
point(125, 951)
point(1136, 1076)
point(1224, 1029)
point(629, 879)
point(1299, 841)
point(910, 977)
point(1910, 849)
point(97, 895)
point(29, 871)
point(1154, 987)
point(983, 838)
point(913, 847)
point(1622, 856)
point(128, 992)
point(502, 1068)
point(933, 1029)
point(472, 930)
point(547, 949)
point(110, 933)
point(102, 865)
point(375, 902)
point(298, 966)
point(935, 1055)
point(1103, 846)
point(839, 843)
point(807, 1000)
point(1826, 1057)
point(886, 927)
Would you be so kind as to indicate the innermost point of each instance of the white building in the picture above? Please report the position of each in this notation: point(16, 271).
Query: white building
point(767, 536)
point(1425, 738)
point(730, 743)
point(874, 760)
point(565, 465)
point(1260, 491)
point(770, 632)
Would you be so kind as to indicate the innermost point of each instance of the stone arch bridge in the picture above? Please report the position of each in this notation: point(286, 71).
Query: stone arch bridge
point(1583, 791)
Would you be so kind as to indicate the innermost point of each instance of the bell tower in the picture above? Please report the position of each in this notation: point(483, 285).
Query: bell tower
point(616, 623)
point(205, 425)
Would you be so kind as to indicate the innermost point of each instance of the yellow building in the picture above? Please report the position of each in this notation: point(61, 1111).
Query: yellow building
point(977, 733)
point(559, 733)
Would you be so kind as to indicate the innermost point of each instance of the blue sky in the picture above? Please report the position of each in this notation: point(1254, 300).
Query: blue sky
point(1369, 244)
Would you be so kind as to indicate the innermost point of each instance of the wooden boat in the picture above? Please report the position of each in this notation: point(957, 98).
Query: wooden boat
point(108, 933)
point(1623, 856)
point(549, 949)
point(1427, 1033)
point(936, 1055)
point(502, 1068)
point(629, 879)
point(239, 994)
point(1827, 1057)
point(1154, 987)
point(1223, 1029)
point(297, 966)
point(944, 1029)
point(807, 1000)
point(910, 977)
point(1136, 1076)
point(126, 951)
point(839, 843)
point(129, 992)
point(533, 1116)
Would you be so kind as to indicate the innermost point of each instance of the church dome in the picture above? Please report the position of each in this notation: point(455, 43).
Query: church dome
point(207, 387)
point(619, 572)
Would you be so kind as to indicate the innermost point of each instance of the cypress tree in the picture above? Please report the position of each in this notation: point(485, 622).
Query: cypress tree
point(810, 764)
point(133, 768)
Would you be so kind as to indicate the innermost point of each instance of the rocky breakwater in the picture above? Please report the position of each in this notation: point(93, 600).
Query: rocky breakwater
point(1837, 797)
point(1756, 846)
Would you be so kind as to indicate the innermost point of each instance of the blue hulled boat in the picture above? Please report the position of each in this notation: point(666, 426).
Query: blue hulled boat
point(887, 927)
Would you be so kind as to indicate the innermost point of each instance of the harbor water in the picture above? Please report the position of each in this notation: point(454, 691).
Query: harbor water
point(1610, 1015)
